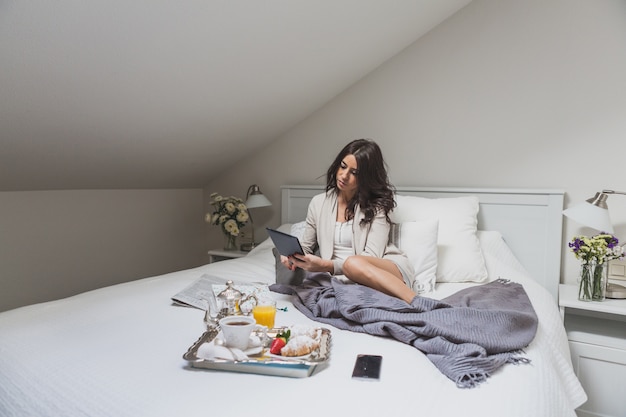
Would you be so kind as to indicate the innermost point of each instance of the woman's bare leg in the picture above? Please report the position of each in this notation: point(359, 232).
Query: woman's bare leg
point(380, 274)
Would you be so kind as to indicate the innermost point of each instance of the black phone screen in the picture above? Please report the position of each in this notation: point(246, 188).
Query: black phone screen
point(367, 367)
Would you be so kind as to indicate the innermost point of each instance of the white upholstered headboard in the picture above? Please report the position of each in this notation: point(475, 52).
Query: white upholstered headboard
point(530, 221)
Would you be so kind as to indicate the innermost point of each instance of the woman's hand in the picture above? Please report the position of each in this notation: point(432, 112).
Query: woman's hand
point(311, 263)
point(287, 263)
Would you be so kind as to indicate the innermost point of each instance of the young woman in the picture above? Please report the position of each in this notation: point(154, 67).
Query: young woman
point(349, 223)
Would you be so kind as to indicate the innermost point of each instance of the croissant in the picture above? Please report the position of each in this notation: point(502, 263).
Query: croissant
point(305, 330)
point(299, 346)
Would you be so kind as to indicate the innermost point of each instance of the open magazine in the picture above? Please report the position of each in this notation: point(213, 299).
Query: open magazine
point(197, 294)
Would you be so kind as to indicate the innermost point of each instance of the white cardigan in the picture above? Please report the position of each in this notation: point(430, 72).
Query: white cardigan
point(371, 239)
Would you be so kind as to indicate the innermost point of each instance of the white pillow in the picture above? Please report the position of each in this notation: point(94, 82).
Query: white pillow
point(418, 240)
point(297, 229)
point(267, 243)
point(459, 257)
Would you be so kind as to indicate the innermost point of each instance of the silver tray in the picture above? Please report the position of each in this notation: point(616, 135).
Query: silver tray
point(263, 364)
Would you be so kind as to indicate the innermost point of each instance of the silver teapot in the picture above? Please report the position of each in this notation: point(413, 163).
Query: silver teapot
point(229, 300)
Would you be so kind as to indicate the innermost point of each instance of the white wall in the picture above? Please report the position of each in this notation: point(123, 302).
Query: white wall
point(505, 93)
point(54, 244)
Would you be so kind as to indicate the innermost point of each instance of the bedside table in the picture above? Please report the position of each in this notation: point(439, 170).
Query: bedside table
point(216, 255)
point(596, 331)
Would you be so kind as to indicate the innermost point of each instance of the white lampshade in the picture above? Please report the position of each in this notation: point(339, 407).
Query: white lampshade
point(255, 198)
point(592, 213)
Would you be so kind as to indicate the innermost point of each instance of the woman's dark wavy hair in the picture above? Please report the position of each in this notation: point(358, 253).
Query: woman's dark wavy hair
point(374, 191)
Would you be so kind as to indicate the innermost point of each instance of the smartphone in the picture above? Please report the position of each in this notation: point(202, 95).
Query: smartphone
point(367, 367)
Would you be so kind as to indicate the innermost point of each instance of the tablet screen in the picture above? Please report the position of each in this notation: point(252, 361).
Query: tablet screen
point(285, 243)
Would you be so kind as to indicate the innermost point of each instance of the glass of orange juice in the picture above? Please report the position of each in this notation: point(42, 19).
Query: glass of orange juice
point(264, 312)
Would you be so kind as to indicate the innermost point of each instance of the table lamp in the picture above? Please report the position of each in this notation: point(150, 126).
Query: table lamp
point(594, 213)
point(254, 199)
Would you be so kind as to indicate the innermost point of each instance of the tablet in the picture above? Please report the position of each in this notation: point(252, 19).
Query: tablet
point(286, 244)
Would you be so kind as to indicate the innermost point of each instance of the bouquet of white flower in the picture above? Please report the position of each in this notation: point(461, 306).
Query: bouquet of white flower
point(230, 213)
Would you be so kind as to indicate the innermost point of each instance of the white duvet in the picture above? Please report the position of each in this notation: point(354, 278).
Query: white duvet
point(117, 351)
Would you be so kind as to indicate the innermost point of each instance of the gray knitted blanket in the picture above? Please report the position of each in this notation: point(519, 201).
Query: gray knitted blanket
point(467, 336)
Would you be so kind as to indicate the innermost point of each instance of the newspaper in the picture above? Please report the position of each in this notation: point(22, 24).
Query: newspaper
point(197, 294)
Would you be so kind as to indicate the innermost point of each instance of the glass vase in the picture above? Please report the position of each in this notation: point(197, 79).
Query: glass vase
point(593, 281)
point(230, 242)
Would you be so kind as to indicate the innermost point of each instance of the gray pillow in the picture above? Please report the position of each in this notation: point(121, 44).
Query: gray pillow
point(284, 275)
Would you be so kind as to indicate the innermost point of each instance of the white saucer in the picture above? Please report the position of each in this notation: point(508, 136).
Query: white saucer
point(254, 345)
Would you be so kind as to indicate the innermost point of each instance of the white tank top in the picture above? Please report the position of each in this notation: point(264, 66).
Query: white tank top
point(342, 244)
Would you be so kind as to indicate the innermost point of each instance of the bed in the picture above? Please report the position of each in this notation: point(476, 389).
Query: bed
point(119, 351)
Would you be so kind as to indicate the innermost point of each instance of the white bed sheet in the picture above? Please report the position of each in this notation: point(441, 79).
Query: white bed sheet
point(117, 351)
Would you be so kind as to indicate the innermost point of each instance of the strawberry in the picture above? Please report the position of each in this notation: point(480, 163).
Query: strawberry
point(279, 342)
point(277, 345)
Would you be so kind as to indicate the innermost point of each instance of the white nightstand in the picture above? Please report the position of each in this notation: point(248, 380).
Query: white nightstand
point(216, 255)
point(596, 331)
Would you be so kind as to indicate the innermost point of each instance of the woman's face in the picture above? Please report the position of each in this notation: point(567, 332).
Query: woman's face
point(347, 175)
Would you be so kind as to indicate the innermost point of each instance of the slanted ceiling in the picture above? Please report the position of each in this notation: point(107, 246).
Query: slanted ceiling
point(166, 94)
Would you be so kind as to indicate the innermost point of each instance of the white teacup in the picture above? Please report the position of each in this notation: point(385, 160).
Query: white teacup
point(236, 331)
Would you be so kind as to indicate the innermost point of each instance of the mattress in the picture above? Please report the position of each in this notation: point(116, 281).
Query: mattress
point(118, 351)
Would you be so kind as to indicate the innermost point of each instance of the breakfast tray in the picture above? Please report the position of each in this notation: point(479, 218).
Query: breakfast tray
point(263, 364)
